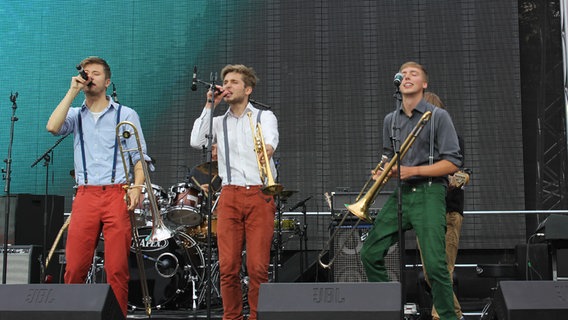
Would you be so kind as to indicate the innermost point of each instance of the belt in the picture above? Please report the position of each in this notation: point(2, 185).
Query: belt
point(103, 187)
point(419, 182)
point(236, 187)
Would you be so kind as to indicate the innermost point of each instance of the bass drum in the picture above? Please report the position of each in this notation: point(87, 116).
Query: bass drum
point(170, 267)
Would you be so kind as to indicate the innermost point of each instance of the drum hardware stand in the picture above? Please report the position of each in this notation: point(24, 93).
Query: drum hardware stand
point(303, 235)
point(47, 156)
point(194, 294)
point(6, 173)
point(98, 265)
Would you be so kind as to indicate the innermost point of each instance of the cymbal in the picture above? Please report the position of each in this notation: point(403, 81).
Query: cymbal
point(285, 194)
point(204, 167)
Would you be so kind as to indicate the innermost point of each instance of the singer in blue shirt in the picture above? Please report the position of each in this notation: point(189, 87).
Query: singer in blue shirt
point(99, 204)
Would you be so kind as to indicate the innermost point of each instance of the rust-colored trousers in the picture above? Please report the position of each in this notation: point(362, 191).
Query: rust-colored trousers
point(245, 216)
point(97, 208)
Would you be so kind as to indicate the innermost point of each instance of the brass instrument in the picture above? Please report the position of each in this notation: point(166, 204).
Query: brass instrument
point(361, 206)
point(159, 230)
point(270, 187)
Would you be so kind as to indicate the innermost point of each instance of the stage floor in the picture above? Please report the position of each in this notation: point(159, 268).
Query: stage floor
point(215, 313)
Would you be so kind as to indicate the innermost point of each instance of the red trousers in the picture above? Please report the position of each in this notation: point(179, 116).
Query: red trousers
point(245, 216)
point(97, 208)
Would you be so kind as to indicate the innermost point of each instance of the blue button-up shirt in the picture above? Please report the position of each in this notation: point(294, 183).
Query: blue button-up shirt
point(99, 143)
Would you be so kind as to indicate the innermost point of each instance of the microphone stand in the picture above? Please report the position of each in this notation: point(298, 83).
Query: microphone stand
point(303, 243)
point(6, 175)
point(401, 240)
point(47, 157)
point(209, 213)
point(280, 203)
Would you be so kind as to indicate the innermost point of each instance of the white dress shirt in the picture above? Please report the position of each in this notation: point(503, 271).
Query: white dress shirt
point(240, 159)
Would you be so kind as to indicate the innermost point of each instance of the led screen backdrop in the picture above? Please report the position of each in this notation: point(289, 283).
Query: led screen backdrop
point(325, 68)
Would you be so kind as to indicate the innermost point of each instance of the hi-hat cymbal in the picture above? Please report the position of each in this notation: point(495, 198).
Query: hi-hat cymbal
point(204, 167)
point(285, 194)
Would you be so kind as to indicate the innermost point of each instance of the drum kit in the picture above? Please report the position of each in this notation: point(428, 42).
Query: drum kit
point(175, 268)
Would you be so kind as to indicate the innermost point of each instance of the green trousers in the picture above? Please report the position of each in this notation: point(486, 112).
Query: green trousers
point(424, 210)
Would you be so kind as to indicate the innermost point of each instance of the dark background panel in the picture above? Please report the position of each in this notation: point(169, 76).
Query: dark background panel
point(325, 67)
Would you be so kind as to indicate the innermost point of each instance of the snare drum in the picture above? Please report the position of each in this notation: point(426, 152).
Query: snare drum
point(185, 205)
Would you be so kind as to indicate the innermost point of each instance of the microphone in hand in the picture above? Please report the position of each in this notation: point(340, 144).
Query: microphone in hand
point(83, 73)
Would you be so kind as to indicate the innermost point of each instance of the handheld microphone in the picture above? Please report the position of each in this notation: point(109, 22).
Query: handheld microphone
point(83, 73)
point(398, 79)
point(194, 81)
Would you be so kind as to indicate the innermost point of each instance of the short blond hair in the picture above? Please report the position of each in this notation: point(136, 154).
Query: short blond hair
point(97, 60)
point(416, 65)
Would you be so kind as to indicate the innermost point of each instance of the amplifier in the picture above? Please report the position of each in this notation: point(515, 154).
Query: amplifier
point(554, 227)
point(346, 247)
point(22, 264)
point(340, 199)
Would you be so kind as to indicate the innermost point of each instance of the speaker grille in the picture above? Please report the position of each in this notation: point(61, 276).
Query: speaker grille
point(22, 264)
point(346, 248)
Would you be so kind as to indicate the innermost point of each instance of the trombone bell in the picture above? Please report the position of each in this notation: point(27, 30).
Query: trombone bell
point(273, 189)
point(360, 209)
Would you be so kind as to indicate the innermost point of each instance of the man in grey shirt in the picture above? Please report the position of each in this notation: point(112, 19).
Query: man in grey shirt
point(423, 173)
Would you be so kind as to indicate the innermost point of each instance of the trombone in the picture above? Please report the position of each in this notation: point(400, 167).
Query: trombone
point(159, 230)
point(361, 206)
point(270, 187)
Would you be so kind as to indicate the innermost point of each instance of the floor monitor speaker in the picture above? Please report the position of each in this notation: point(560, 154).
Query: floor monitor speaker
point(330, 301)
point(524, 300)
point(58, 301)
